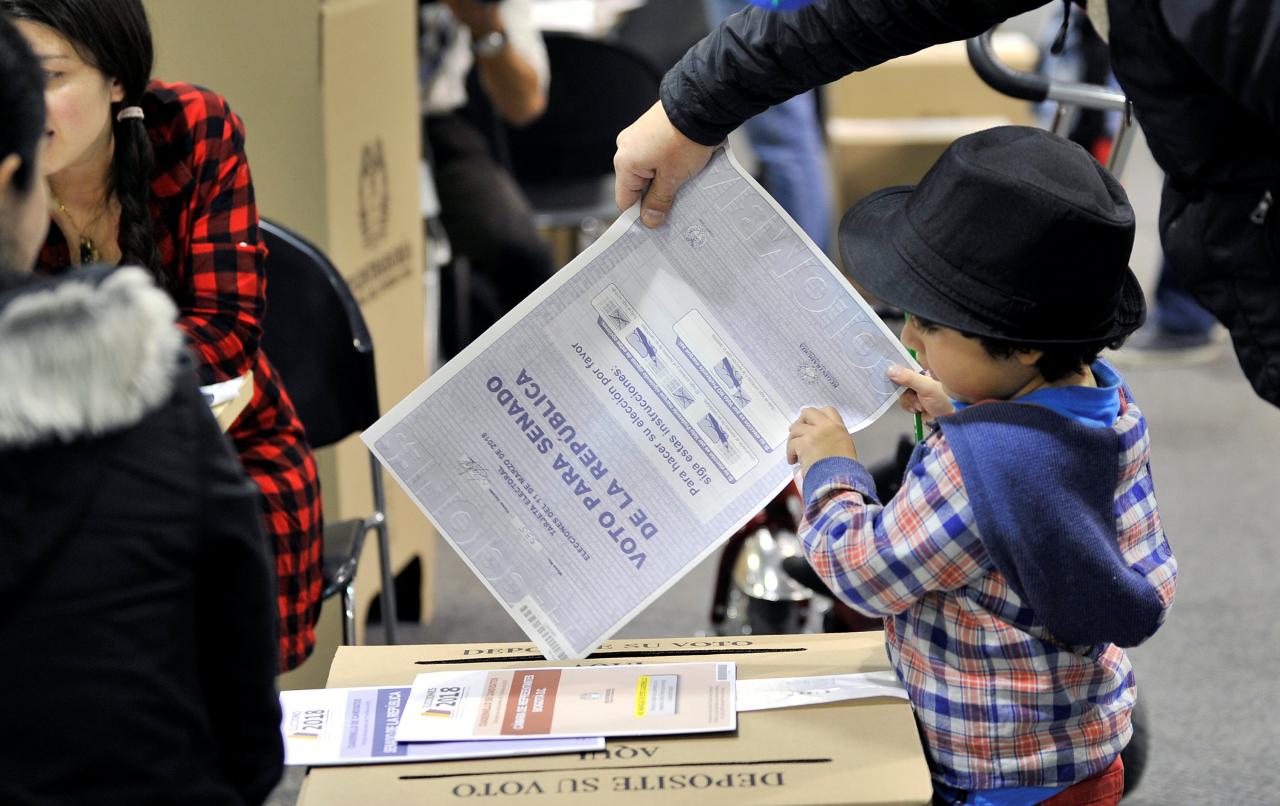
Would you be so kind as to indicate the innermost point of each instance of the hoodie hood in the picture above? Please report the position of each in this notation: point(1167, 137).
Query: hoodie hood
point(82, 357)
point(1043, 489)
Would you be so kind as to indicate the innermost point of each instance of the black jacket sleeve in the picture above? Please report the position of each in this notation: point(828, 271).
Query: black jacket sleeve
point(1237, 44)
point(758, 58)
point(236, 617)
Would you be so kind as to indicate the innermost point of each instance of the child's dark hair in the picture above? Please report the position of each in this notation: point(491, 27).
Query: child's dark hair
point(115, 38)
point(1058, 360)
point(22, 99)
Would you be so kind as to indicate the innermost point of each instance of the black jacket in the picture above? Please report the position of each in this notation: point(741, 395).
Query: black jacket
point(1204, 76)
point(137, 645)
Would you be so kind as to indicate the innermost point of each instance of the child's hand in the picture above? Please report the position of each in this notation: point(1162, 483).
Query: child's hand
point(818, 434)
point(924, 393)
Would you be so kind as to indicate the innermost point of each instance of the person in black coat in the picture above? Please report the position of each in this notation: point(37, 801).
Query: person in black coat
point(1203, 75)
point(138, 632)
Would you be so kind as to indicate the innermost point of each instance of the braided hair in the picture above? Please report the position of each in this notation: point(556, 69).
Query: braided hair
point(115, 38)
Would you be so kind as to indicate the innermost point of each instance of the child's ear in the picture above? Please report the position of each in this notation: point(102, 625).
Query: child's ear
point(1028, 358)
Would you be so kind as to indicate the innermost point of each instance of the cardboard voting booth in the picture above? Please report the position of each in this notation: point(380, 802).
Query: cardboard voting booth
point(327, 90)
point(855, 752)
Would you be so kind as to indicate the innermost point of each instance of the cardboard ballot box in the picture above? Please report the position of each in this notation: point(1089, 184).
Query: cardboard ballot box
point(858, 752)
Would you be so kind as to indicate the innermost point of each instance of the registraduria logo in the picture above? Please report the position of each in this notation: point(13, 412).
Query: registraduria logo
point(442, 702)
point(375, 194)
point(308, 724)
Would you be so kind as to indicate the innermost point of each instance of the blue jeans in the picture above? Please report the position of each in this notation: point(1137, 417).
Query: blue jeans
point(1176, 310)
point(788, 141)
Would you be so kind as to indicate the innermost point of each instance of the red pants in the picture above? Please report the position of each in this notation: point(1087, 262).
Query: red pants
point(1103, 789)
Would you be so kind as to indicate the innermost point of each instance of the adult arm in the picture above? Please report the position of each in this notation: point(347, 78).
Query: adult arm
point(516, 77)
point(758, 58)
point(224, 289)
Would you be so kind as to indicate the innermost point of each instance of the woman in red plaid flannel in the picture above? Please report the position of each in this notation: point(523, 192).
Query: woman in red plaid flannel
point(154, 174)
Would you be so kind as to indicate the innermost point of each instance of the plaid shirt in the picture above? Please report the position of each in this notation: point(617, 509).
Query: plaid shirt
point(999, 705)
point(206, 225)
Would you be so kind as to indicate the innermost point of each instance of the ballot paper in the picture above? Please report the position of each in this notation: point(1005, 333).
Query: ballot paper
point(641, 700)
point(335, 726)
point(791, 692)
point(228, 398)
point(632, 413)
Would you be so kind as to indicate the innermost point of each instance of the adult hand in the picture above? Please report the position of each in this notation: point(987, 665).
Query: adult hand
point(481, 18)
point(818, 434)
point(924, 394)
point(653, 160)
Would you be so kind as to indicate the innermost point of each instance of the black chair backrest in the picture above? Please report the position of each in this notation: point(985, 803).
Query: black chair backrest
point(597, 89)
point(315, 337)
point(662, 30)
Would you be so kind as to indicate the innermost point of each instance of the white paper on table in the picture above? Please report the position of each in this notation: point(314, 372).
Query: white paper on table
point(335, 726)
point(591, 18)
point(215, 394)
point(629, 700)
point(791, 692)
point(619, 424)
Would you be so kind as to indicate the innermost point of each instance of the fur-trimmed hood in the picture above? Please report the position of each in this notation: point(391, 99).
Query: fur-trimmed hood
point(83, 355)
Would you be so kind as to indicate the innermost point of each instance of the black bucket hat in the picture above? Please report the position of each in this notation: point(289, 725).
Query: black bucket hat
point(1014, 233)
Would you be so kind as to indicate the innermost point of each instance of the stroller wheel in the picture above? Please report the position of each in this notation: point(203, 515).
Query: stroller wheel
point(1134, 756)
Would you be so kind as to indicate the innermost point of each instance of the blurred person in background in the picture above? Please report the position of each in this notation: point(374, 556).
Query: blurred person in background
point(1180, 331)
point(485, 214)
point(154, 174)
point(139, 627)
point(787, 139)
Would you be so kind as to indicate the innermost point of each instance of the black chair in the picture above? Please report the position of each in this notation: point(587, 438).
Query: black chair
point(317, 340)
point(662, 30)
point(564, 160)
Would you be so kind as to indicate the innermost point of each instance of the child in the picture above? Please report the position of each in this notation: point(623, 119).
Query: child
point(1024, 548)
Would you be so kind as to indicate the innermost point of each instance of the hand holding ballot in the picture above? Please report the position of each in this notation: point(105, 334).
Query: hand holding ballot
point(653, 160)
point(617, 426)
point(924, 393)
point(817, 434)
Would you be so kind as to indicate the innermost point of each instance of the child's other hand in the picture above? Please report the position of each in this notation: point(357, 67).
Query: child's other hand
point(818, 434)
point(924, 394)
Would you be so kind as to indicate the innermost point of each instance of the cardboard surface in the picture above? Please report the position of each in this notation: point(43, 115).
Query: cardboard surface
point(860, 752)
point(935, 82)
point(868, 154)
point(327, 91)
point(375, 238)
point(887, 125)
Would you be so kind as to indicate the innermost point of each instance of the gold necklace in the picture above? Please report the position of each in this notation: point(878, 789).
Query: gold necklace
point(89, 252)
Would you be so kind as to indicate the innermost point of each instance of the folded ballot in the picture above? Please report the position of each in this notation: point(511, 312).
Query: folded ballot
point(337, 726)
point(570, 701)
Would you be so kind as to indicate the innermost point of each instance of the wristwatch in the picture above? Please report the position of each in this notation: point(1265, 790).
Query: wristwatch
point(491, 44)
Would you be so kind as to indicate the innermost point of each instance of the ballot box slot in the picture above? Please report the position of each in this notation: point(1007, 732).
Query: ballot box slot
point(686, 765)
point(662, 653)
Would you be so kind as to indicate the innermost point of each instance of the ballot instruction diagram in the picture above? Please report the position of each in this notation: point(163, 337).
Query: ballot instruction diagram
point(632, 413)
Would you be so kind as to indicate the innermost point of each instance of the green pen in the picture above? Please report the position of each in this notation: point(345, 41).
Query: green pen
point(906, 317)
